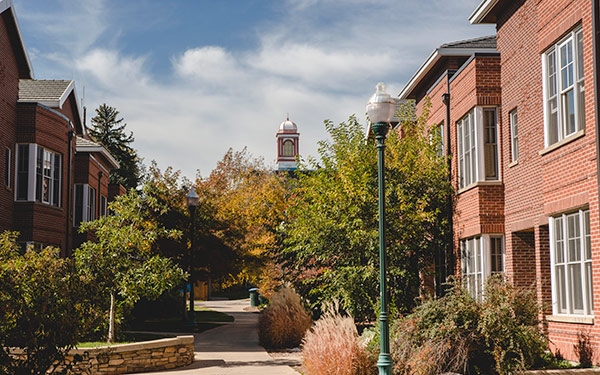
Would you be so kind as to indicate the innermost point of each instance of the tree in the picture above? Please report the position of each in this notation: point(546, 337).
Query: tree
point(242, 204)
point(330, 231)
point(109, 130)
point(44, 307)
point(122, 261)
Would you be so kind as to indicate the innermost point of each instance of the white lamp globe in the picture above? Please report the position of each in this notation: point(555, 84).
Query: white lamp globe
point(381, 106)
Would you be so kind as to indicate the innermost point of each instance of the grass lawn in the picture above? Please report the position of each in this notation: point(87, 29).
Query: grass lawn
point(203, 314)
point(125, 338)
point(205, 319)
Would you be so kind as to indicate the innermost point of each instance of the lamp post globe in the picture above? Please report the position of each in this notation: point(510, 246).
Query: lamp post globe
point(191, 200)
point(380, 111)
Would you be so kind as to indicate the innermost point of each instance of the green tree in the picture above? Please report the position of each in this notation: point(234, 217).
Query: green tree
point(109, 130)
point(122, 262)
point(44, 307)
point(330, 231)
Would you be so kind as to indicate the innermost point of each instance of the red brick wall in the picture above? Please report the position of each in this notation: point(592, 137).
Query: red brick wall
point(38, 221)
point(9, 88)
point(543, 184)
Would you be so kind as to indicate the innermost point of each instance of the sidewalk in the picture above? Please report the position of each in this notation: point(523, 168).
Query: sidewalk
point(232, 348)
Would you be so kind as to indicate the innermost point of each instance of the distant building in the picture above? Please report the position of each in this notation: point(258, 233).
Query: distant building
point(287, 146)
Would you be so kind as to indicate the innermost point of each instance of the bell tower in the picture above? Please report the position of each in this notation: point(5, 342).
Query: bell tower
point(287, 145)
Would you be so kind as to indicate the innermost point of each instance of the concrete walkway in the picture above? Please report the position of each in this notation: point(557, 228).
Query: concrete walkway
point(232, 348)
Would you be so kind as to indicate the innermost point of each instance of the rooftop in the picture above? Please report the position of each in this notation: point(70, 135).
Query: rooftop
point(52, 93)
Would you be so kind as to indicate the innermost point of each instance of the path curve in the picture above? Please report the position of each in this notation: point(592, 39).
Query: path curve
point(232, 348)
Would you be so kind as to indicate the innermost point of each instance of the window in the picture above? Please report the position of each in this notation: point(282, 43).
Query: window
point(481, 257)
point(38, 174)
point(84, 204)
point(7, 164)
point(288, 148)
point(564, 88)
point(571, 258)
point(514, 136)
point(438, 136)
point(103, 206)
point(477, 135)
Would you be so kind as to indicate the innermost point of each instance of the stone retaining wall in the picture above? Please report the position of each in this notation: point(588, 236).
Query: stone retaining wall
point(137, 357)
point(579, 371)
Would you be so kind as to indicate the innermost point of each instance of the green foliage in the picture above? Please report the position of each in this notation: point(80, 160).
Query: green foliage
point(456, 333)
point(330, 230)
point(109, 130)
point(44, 307)
point(121, 262)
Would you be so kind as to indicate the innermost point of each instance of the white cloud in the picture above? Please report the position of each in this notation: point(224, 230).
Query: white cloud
point(320, 61)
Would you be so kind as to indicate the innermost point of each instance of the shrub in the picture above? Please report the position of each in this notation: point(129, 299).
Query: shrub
point(455, 333)
point(333, 347)
point(44, 307)
point(584, 350)
point(283, 323)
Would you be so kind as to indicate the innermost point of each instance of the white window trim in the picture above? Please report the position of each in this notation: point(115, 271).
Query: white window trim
point(32, 175)
point(586, 303)
point(476, 121)
point(579, 117)
point(514, 150)
point(85, 215)
point(485, 247)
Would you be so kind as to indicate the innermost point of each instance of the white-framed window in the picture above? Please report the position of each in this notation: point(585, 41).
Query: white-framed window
point(481, 256)
point(7, 165)
point(514, 135)
point(437, 135)
point(84, 207)
point(562, 66)
point(477, 138)
point(288, 148)
point(571, 261)
point(38, 175)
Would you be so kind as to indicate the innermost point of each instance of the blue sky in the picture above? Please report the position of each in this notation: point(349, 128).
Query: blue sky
point(195, 77)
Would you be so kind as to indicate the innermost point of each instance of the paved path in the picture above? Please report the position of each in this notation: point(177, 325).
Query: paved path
point(232, 348)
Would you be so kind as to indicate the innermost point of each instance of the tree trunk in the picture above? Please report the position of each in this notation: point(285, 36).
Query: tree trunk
point(111, 319)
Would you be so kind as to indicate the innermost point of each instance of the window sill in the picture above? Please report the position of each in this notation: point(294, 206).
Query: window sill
point(570, 319)
point(479, 183)
point(516, 162)
point(563, 142)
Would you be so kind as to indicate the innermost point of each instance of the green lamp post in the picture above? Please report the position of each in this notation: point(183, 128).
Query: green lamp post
point(192, 199)
point(380, 111)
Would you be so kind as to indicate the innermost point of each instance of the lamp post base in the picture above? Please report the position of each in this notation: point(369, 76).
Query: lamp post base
point(385, 364)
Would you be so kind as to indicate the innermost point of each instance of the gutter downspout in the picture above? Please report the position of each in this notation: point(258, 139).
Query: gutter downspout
point(450, 264)
point(70, 134)
point(98, 194)
point(595, 36)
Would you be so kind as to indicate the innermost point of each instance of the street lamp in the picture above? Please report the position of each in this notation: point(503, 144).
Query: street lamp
point(191, 200)
point(380, 111)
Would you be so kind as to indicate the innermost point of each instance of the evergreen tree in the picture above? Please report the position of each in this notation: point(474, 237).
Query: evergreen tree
point(109, 130)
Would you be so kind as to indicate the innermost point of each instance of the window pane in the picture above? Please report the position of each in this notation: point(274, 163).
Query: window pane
point(491, 144)
point(573, 237)
point(38, 179)
point(467, 146)
point(559, 242)
point(551, 74)
point(588, 237)
point(561, 292)
point(566, 65)
point(568, 107)
point(473, 148)
point(553, 133)
point(288, 148)
point(514, 136)
point(22, 171)
point(461, 160)
point(579, 37)
point(576, 289)
point(56, 177)
point(47, 176)
point(497, 255)
point(590, 285)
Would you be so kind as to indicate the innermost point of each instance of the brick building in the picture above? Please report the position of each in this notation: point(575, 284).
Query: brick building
point(52, 172)
point(521, 110)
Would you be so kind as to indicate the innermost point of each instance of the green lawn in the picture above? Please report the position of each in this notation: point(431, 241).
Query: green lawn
point(203, 314)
